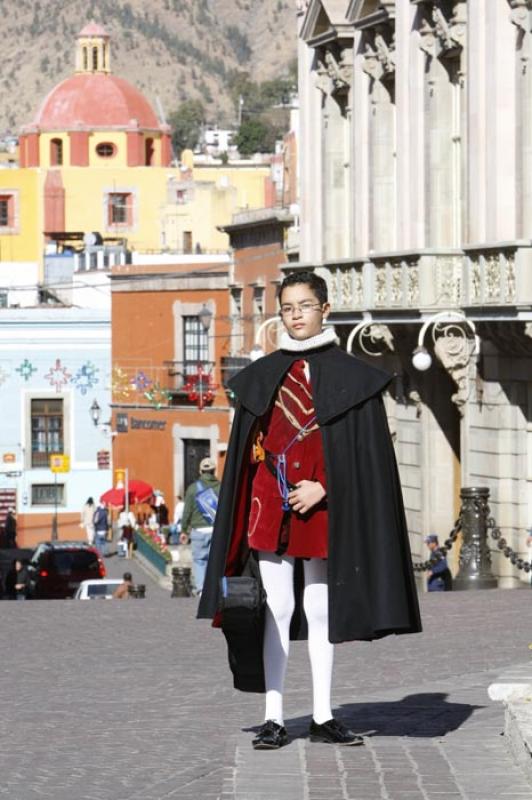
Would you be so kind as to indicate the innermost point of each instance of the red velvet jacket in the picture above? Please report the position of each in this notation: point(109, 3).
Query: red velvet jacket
point(303, 535)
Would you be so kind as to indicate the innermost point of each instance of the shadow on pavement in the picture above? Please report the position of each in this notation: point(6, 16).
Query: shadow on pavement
point(424, 715)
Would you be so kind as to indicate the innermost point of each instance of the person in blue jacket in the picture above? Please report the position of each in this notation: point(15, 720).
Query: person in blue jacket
point(439, 575)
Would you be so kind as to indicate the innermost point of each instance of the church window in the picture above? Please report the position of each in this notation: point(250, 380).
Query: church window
point(105, 149)
point(7, 203)
point(119, 209)
point(56, 152)
point(95, 58)
point(150, 151)
point(85, 59)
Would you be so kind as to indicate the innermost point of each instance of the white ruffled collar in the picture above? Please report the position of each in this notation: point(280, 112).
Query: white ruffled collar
point(327, 336)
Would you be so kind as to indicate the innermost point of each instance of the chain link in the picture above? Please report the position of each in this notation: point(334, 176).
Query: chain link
point(505, 549)
point(442, 551)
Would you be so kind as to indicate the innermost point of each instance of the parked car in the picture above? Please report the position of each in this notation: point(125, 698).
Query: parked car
point(56, 569)
point(97, 589)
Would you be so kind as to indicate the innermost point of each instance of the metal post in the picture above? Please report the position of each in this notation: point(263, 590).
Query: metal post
point(181, 586)
point(54, 521)
point(475, 559)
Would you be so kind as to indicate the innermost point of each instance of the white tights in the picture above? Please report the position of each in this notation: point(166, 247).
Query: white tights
point(277, 578)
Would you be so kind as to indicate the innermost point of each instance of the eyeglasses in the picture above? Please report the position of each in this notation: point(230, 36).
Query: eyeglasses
point(305, 308)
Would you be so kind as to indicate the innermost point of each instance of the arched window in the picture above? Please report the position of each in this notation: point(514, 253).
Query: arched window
point(56, 152)
point(149, 152)
point(85, 59)
point(95, 58)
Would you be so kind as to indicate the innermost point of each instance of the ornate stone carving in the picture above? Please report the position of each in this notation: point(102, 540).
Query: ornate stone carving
point(346, 288)
point(412, 284)
point(519, 14)
point(492, 278)
point(441, 35)
point(454, 352)
point(380, 285)
point(449, 272)
point(474, 281)
point(301, 6)
point(396, 284)
point(379, 55)
point(510, 279)
point(358, 288)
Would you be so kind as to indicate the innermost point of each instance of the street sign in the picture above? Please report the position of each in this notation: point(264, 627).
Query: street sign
point(59, 462)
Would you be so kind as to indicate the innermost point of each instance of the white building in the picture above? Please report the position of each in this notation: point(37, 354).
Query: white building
point(416, 199)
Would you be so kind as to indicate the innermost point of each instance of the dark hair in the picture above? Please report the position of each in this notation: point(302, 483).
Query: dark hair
point(90, 501)
point(127, 576)
point(310, 279)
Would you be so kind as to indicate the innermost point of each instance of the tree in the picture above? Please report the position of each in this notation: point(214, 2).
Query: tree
point(186, 125)
point(255, 136)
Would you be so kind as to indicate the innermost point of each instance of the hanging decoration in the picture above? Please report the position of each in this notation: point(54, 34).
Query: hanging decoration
point(85, 378)
point(157, 395)
point(58, 375)
point(26, 369)
point(121, 384)
point(200, 388)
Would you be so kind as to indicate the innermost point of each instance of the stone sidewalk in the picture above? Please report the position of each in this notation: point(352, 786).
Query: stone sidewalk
point(133, 701)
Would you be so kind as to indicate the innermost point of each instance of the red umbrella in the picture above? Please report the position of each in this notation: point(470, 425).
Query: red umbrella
point(138, 492)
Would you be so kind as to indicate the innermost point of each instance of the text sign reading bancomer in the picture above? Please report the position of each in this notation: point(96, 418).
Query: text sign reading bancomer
point(148, 424)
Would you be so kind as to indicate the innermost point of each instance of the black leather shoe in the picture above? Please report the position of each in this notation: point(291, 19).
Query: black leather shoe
point(333, 732)
point(271, 736)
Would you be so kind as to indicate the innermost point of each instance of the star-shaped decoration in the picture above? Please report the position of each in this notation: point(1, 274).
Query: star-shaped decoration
point(85, 378)
point(58, 375)
point(26, 369)
point(121, 385)
point(157, 395)
point(141, 382)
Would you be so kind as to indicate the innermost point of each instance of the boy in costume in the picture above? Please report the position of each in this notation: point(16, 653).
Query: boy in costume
point(311, 491)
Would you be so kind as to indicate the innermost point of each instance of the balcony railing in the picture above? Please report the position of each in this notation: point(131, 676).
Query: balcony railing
point(491, 275)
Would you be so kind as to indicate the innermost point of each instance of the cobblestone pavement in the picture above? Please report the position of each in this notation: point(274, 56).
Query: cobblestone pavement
point(133, 701)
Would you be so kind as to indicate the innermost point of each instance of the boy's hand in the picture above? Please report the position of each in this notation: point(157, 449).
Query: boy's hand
point(307, 495)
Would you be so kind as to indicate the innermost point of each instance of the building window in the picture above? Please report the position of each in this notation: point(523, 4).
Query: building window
point(44, 494)
point(85, 59)
point(46, 431)
point(149, 152)
point(258, 307)
point(95, 58)
point(187, 242)
point(105, 149)
point(195, 344)
point(7, 210)
point(119, 209)
point(237, 341)
point(56, 152)
point(3, 299)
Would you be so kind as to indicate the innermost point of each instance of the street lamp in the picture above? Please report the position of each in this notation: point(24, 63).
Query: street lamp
point(445, 323)
point(205, 317)
point(95, 412)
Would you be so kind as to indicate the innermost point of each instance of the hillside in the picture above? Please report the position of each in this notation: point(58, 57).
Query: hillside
point(176, 50)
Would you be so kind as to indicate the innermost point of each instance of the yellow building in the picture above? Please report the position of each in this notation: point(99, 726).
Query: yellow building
point(96, 159)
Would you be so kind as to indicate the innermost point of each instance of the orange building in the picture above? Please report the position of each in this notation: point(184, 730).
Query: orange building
point(171, 336)
point(257, 238)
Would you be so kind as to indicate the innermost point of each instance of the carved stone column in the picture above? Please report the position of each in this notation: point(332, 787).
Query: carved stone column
point(475, 559)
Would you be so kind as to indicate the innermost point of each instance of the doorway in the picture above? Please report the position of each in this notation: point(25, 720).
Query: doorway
point(195, 451)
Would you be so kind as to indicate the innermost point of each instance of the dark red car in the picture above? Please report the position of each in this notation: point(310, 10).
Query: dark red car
point(56, 569)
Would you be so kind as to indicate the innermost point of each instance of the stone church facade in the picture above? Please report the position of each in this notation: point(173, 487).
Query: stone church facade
point(416, 207)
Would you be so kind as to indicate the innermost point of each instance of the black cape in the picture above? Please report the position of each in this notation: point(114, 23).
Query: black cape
point(372, 591)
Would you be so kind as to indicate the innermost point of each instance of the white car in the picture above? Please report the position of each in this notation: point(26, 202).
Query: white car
point(97, 589)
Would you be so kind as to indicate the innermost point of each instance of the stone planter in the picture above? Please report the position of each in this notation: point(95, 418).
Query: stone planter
point(152, 555)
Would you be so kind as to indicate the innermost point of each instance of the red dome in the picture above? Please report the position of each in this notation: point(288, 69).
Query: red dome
point(95, 100)
point(93, 29)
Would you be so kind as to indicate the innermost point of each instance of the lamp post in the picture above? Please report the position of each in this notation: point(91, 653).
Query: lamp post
point(445, 323)
point(95, 412)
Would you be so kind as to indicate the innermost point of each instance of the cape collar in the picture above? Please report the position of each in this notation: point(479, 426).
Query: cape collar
point(339, 381)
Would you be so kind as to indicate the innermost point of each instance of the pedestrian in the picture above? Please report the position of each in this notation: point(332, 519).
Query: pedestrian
point(439, 577)
point(127, 523)
point(201, 501)
point(87, 520)
point(175, 527)
point(21, 584)
point(311, 490)
point(160, 509)
point(122, 591)
point(101, 526)
point(10, 529)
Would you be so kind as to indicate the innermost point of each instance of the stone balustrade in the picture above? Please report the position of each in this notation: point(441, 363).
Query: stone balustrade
point(492, 275)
